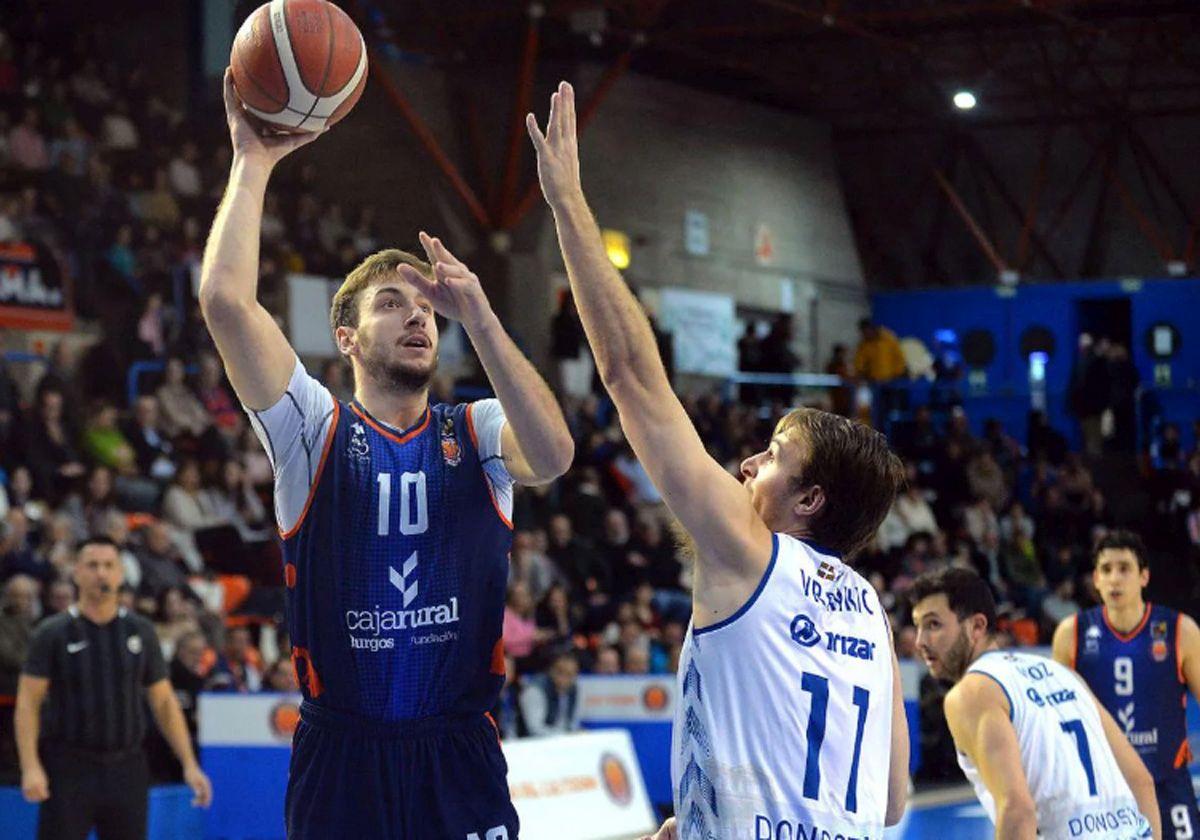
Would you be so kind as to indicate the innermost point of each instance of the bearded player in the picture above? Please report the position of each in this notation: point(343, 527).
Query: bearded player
point(1141, 660)
point(395, 519)
point(1045, 758)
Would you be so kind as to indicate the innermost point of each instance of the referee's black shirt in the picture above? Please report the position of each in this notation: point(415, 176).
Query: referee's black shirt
point(97, 676)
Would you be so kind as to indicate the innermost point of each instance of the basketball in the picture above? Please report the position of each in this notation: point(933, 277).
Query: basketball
point(299, 65)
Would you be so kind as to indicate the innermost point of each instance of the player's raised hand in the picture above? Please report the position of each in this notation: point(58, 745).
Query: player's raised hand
point(557, 149)
point(454, 290)
point(251, 141)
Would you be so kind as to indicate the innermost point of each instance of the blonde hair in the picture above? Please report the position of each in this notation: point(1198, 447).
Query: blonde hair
point(853, 465)
point(344, 311)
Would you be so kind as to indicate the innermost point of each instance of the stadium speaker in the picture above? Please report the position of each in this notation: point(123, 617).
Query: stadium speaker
point(978, 348)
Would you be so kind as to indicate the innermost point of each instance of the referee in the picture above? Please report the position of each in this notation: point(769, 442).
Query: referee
point(87, 768)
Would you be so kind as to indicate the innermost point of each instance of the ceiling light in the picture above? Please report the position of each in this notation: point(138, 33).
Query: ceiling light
point(964, 100)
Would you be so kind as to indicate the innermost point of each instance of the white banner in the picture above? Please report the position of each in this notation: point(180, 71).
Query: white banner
point(248, 720)
point(622, 699)
point(308, 301)
point(586, 786)
point(704, 330)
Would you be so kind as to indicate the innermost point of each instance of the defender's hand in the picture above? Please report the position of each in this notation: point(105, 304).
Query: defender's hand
point(557, 149)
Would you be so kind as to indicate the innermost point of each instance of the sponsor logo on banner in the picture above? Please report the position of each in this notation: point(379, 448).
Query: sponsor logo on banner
point(656, 697)
point(284, 718)
point(616, 778)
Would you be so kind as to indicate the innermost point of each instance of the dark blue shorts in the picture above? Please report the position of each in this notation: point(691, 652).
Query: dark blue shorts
point(431, 779)
point(1177, 805)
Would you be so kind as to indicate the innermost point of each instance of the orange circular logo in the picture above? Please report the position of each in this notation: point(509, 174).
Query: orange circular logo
point(284, 718)
point(655, 698)
point(616, 779)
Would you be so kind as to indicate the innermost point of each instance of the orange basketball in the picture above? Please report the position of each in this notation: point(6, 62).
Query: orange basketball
point(299, 65)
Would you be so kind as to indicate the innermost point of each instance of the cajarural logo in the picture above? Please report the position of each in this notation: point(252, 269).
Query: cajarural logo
point(372, 625)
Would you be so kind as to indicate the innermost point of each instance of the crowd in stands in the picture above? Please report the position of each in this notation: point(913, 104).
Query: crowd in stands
point(110, 180)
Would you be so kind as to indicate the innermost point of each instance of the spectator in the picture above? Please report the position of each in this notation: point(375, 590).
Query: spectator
point(17, 556)
point(117, 129)
point(89, 510)
point(549, 702)
point(157, 205)
point(50, 450)
point(576, 558)
point(19, 609)
point(26, 144)
point(175, 619)
point(878, 357)
point(555, 624)
point(183, 173)
point(281, 677)
point(239, 667)
point(151, 328)
point(608, 661)
point(60, 594)
point(151, 448)
point(570, 351)
point(222, 408)
point(104, 443)
point(520, 628)
point(530, 566)
point(335, 376)
point(72, 153)
point(182, 411)
point(122, 259)
point(842, 396)
point(163, 564)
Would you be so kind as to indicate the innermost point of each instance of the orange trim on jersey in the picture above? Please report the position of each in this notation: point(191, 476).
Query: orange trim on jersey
point(498, 658)
point(495, 725)
point(475, 441)
point(1132, 634)
point(390, 435)
point(471, 427)
point(310, 679)
point(1184, 757)
point(312, 490)
point(1179, 651)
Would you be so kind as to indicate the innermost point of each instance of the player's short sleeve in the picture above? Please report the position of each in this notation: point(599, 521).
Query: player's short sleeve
point(487, 423)
point(39, 660)
point(293, 431)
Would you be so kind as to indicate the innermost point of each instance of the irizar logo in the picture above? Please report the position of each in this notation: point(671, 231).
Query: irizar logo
point(804, 631)
point(380, 624)
point(400, 581)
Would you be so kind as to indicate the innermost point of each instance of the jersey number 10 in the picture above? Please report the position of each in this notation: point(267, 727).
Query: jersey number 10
point(414, 504)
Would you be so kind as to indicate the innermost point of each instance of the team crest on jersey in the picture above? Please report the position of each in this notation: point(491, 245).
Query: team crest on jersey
point(358, 449)
point(1091, 640)
point(451, 451)
point(1158, 630)
point(826, 571)
point(1159, 650)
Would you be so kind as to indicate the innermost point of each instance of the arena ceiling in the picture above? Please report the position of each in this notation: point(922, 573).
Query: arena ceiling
point(863, 65)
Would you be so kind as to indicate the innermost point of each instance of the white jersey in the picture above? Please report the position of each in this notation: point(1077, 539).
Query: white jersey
point(1077, 787)
point(783, 722)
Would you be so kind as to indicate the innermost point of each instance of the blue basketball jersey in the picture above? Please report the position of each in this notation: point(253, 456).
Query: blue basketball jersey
point(396, 571)
point(1137, 677)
